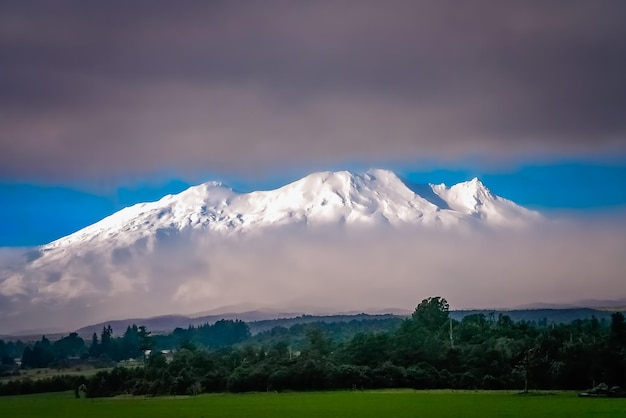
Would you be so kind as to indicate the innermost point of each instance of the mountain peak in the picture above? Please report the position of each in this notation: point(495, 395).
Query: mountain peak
point(473, 189)
point(345, 176)
point(474, 183)
point(216, 184)
point(475, 199)
point(376, 196)
point(383, 173)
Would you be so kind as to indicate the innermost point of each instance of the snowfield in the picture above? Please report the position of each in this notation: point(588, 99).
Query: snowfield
point(326, 198)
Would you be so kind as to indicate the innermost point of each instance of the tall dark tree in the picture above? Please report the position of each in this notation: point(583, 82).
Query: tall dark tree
point(145, 339)
point(432, 313)
point(618, 329)
point(94, 348)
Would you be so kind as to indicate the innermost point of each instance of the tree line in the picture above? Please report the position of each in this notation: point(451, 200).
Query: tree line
point(425, 351)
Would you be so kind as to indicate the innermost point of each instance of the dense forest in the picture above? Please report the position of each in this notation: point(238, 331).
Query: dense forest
point(427, 350)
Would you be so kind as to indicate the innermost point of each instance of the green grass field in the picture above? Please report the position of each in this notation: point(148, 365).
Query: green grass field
point(44, 373)
point(386, 404)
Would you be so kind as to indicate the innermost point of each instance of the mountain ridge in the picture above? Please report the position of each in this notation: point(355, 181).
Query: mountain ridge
point(375, 196)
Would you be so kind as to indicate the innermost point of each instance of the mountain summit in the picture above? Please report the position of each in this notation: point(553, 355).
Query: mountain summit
point(326, 198)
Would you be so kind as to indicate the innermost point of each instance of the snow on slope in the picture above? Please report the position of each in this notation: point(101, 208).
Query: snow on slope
point(374, 197)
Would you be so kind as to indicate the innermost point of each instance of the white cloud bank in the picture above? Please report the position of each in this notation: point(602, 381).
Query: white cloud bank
point(326, 272)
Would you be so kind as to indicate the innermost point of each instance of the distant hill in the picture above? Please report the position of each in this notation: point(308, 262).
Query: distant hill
point(263, 321)
point(550, 315)
point(260, 321)
point(167, 323)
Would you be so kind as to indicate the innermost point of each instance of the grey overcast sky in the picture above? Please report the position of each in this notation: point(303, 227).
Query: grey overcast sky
point(117, 88)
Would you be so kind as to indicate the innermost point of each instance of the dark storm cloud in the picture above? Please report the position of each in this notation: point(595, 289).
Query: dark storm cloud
point(101, 88)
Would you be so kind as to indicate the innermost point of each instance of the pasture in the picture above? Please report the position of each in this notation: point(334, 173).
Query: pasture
point(387, 404)
point(46, 373)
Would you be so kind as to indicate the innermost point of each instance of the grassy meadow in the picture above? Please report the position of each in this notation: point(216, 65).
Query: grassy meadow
point(387, 404)
point(47, 372)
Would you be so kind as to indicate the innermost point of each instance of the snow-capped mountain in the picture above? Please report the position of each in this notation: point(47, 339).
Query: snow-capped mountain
point(108, 259)
point(326, 198)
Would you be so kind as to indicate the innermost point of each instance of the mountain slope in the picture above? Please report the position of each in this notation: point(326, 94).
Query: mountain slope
point(375, 197)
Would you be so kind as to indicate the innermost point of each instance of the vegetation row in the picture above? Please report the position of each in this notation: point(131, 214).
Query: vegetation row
point(425, 351)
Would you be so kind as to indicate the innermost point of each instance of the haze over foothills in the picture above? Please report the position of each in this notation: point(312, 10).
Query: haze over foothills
point(105, 105)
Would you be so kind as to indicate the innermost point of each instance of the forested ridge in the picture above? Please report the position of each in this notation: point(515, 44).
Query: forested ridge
point(425, 351)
